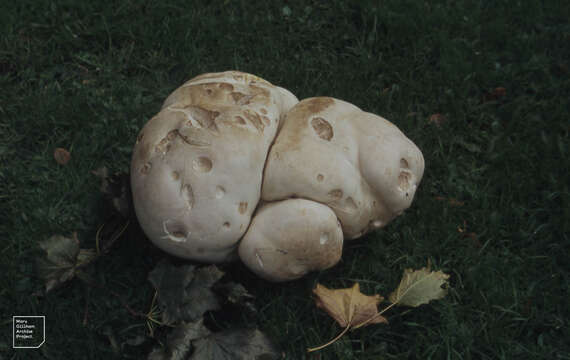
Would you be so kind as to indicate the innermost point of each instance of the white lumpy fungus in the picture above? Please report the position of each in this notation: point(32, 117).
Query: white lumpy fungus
point(233, 165)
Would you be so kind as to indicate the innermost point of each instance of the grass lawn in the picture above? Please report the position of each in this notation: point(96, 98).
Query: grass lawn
point(492, 210)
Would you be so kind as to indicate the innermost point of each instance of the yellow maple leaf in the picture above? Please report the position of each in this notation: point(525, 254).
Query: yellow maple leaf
point(352, 309)
point(348, 306)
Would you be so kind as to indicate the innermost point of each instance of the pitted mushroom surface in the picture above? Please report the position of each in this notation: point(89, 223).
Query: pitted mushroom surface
point(324, 169)
point(197, 166)
point(359, 164)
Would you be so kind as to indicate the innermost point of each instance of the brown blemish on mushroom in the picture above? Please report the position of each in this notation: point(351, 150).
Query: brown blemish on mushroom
point(174, 231)
point(255, 120)
point(318, 104)
point(145, 169)
point(336, 193)
point(241, 98)
point(178, 234)
point(204, 117)
point(164, 145)
point(202, 164)
point(263, 111)
point(322, 128)
point(404, 180)
point(194, 138)
point(266, 120)
point(404, 164)
point(240, 120)
point(237, 96)
point(257, 90)
point(172, 134)
point(242, 207)
point(350, 204)
point(226, 225)
point(220, 192)
point(320, 177)
point(175, 175)
point(188, 195)
point(226, 86)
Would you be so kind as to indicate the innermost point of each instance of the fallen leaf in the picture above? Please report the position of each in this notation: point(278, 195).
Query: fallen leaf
point(235, 344)
point(436, 119)
point(184, 292)
point(137, 340)
point(495, 94)
point(456, 203)
point(420, 287)
point(348, 307)
point(116, 190)
point(352, 309)
point(499, 92)
point(179, 341)
point(238, 296)
point(451, 201)
point(61, 156)
point(474, 239)
point(60, 259)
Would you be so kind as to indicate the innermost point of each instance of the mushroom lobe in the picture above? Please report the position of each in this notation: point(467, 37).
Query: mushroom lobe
point(290, 238)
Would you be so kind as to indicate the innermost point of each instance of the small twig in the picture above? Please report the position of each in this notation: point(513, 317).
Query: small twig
point(330, 342)
point(375, 316)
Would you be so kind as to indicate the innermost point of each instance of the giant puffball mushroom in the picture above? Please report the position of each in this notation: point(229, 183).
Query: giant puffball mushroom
point(230, 146)
point(289, 238)
point(357, 163)
point(197, 166)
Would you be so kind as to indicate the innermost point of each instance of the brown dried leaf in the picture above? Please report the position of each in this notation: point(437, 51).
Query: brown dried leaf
point(474, 239)
point(451, 201)
point(456, 203)
point(116, 190)
point(420, 287)
point(436, 119)
point(61, 156)
point(349, 307)
point(495, 94)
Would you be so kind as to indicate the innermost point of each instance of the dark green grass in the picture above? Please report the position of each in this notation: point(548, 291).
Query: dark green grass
point(87, 75)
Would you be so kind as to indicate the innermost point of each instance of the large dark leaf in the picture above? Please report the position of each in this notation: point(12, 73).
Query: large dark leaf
point(116, 190)
point(238, 296)
point(184, 292)
point(179, 341)
point(60, 259)
point(236, 344)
